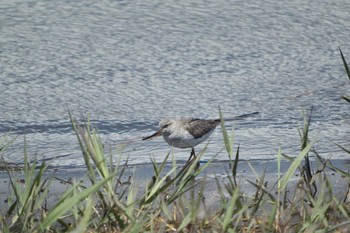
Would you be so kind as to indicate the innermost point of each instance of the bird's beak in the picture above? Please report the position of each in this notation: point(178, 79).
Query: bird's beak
point(158, 133)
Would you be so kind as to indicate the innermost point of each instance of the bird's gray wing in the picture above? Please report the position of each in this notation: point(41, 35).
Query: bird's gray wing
point(198, 127)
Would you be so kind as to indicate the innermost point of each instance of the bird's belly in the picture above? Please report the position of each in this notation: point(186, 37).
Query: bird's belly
point(182, 143)
point(185, 141)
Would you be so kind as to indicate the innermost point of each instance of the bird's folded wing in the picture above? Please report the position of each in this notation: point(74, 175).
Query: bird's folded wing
point(199, 127)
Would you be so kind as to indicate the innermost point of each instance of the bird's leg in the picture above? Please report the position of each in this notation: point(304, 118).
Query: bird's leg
point(192, 153)
point(191, 156)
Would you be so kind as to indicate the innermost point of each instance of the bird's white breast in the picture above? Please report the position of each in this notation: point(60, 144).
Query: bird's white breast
point(177, 135)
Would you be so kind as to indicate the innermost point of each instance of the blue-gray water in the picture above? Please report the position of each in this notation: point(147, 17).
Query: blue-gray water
point(130, 63)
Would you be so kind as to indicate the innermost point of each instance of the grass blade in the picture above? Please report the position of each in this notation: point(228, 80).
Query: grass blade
point(295, 164)
point(345, 64)
point(59, 210)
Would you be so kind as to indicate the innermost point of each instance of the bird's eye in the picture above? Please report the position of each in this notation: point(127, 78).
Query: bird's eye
point(166, 126)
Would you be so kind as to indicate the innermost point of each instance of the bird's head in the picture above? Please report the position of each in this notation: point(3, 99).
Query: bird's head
point(164, 128)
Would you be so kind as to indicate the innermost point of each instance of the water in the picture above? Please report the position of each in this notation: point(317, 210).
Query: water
point(130, 63)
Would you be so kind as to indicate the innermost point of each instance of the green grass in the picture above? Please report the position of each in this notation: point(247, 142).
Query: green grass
point(174, 198)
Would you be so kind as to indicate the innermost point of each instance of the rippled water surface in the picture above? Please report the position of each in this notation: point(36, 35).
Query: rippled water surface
point(130, 63)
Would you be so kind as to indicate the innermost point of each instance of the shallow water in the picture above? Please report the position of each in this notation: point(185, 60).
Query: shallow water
point(130, 63)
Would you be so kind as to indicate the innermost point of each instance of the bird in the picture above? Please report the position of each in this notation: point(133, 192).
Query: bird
point(189, 132)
